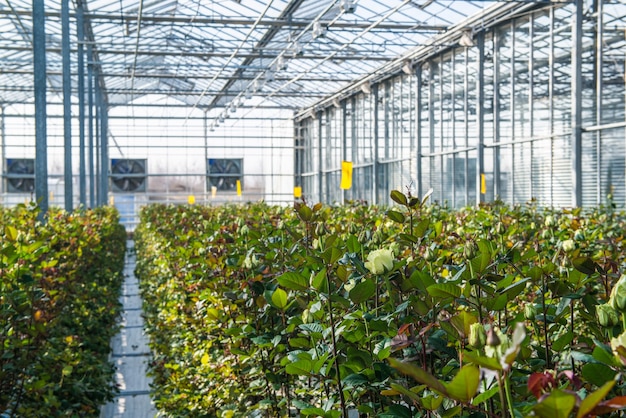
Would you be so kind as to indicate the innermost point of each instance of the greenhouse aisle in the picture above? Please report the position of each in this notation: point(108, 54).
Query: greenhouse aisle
point(131, 353)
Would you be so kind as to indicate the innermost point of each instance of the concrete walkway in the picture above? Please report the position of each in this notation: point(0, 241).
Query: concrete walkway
point(131, 353)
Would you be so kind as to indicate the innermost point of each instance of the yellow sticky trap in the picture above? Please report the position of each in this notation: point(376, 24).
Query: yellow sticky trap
point(346, 175)
point(191, 199)
point(483, 184)
point(51, 196)
point(112, 200)
point(238, 187)
point(213, 191)
point(297, 192)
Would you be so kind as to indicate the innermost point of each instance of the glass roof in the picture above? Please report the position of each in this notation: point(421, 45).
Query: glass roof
point(216, 54)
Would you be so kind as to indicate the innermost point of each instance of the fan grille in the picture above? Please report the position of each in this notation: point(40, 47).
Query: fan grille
point(128, 175)
point(20, 175)
point(223, 173)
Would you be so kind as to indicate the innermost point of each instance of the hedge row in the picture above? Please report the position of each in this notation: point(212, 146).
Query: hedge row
point(59, 288)
point(418, 310)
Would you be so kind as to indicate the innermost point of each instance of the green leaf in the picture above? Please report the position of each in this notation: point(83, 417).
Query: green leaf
point(398, 197)
point(353, 244)
point(560, 343)
point(597, 374)
point(301, 367)
point(307, 412)
point(396, 216)
point(279, 298)
point(320, 282)
point(355, 379)
point(406, 392)
point(558, 404)
point(419, 374)
point(462, 323)
point(485, 396)
point(585, 265)
point(464, 385)
point(486, 362)
point(421, 227)
point(292, 280)
point(452, 412)
point(431, 402)
point(362, 291)
point(10, 232)
point(594, 398)
point(444, 290)
point(304, 212)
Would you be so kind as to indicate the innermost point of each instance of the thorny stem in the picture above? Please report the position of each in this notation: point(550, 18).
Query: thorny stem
point(344, 411)
point(544, 290)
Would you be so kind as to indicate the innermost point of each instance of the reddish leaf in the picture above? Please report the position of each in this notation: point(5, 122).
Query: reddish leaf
point(539, 382)
point(617, 403)
point(573, 379)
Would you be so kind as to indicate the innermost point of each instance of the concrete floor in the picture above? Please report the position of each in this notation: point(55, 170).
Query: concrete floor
point(131, 354)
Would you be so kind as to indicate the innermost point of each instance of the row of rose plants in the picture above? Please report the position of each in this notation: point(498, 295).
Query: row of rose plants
point(60, 280)
point(414, 310)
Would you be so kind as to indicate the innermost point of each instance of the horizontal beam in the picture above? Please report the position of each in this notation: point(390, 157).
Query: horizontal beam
point(180, 76)
point(201, 55)
point(227, 21)
point(142, 92)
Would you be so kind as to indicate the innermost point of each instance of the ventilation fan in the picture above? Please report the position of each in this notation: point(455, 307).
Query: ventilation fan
point(128, 175)
point(20, 174)
point(224, 173)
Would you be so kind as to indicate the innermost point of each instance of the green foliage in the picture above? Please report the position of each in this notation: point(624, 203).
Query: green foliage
point(59, 289)
point(260, 310)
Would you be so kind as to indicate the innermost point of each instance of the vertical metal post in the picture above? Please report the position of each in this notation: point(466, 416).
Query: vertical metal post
point(98, 134)
point(354, 147)
point(104, 151)
point(512, 113)
point(418, 131)
point(376, 139)
point(320, 166)
point(452, 111)
point(67, 104)
point(2, 147)
point(577, 34)
point(480, 117)
point(91, 120)
point(431, 122)
point(497, 181)
point(531, 83)
point(80, 34)
point(344, 140)
point(599, 33)
point(206, 151)
point(41, 147)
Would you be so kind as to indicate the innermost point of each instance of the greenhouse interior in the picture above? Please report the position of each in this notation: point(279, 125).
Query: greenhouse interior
point(325, 208)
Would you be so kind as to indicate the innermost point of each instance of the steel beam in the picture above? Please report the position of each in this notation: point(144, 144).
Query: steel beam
point(39, 63)
point(80, 34)
point(577, 83)
point(67, 105)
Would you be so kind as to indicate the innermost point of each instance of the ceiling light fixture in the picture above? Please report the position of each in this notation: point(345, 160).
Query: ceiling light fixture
point(467, 38)
point(407, 68)
point(366, 88)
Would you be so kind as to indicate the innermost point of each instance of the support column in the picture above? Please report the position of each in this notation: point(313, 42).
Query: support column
point(67, 104)
point(104, 152)
point(41, 143)
point(91, 119)
point(320, 172)
point(480, 117)
point(577, 33)
point(344, 140)
point(80, 34)
point(418, 132)
point(376, 139)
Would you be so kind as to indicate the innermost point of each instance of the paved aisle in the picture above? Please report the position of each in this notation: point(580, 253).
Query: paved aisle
point(131, 353)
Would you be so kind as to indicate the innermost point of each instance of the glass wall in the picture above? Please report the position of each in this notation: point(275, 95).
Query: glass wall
point(497, 119)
